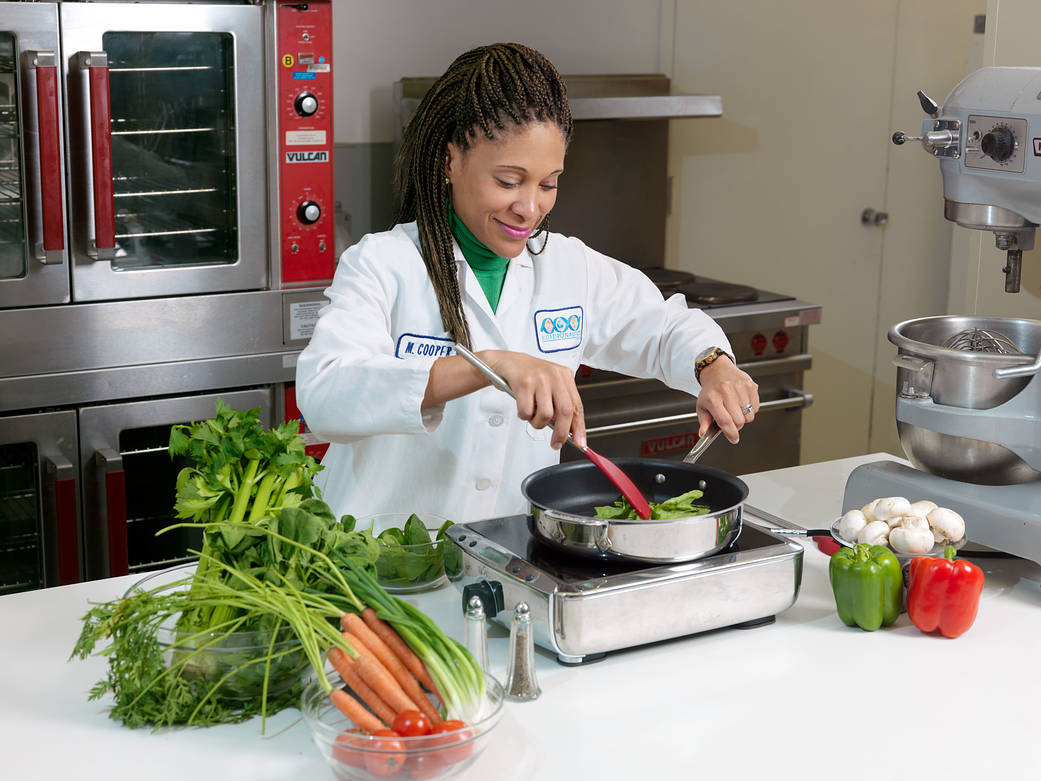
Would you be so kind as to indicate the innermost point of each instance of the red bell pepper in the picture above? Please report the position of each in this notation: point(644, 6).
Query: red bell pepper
point(943, 594)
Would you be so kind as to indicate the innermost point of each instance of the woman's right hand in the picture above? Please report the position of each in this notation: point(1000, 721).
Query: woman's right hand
point(545, 392)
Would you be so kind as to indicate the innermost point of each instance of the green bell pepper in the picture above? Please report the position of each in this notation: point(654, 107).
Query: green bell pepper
point(868, 586)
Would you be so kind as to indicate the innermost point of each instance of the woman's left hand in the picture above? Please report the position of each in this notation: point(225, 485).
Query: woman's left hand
point(728, 396)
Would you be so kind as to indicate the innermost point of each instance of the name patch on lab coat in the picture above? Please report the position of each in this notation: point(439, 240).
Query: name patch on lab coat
point(419, 346)
point(558, 329)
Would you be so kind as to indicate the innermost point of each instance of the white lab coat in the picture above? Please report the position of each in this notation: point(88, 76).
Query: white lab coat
point(362, 377)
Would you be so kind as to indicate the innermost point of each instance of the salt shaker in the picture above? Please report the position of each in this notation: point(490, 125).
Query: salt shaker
point(475, 631)
point(521, 684)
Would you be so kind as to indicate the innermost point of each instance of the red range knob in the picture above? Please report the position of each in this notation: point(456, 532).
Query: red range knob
point(758, 344)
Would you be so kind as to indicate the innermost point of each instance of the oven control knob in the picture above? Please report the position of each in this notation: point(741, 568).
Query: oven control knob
point(308, 212)
point(305, 104)
point(998, 144)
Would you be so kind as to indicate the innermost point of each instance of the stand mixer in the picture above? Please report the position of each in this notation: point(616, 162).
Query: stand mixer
point(968, 405)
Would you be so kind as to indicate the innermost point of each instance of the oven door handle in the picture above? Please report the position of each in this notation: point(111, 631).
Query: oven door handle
point(796, 399)
point(61, 475)
point(113, 501)
point(43, 153)
point(101, 213)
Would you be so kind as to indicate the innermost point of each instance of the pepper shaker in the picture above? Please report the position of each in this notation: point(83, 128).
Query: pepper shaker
point(521, 684)
point(475, 631)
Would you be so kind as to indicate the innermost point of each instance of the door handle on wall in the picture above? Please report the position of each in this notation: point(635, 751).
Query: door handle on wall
point(113, 496)
point(43, 158)
point(62, 476)
point(101, 216)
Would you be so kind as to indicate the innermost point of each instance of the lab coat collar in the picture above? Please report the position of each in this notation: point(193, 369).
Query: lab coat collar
point(517, 287)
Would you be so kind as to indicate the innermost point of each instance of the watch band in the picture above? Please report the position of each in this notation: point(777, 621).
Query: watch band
point(707, 358)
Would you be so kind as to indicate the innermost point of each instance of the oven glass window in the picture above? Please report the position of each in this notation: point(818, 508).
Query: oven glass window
point(12, 229)
point(151, 476)
point(173, 148)
point(21, 554)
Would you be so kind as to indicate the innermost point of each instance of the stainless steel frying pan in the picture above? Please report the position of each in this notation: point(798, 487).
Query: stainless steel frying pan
point(562, 498)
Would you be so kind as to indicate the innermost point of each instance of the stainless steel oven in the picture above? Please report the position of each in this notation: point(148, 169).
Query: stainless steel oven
point(166, 234)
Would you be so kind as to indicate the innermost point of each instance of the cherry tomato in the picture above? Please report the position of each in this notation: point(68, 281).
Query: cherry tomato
point(390, 758)
point(451, 732)
point(349, 756)
point(411, 723)
point(428, 764)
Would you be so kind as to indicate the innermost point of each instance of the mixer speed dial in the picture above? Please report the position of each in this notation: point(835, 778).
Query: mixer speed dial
point(998, 144)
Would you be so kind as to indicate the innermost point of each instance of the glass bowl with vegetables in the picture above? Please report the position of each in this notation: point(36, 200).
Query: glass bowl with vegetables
point(414, 554)
point(233, 662)
point(412, 749)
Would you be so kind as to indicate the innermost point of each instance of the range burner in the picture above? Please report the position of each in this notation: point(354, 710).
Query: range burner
point(576, 602)
point(710, 292)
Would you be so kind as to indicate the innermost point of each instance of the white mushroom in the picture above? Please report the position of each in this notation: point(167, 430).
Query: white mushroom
point(850, 525)
point(875, 533)
point(922, 508)
point(912, 522)
point(891, 507)
point(869, 510)
point(947, 525)
point(905, 539)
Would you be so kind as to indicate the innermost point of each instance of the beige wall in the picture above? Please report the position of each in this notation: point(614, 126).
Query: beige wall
point(771, 193)
point(381, 41)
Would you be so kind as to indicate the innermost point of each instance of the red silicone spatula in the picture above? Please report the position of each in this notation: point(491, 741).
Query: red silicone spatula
point(617, 477)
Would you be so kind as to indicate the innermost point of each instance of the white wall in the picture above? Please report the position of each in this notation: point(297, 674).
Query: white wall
point(378, 42)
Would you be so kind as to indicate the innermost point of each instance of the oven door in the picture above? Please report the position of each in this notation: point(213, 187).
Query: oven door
point(167, 148)
point(129, 478)
point(33, 256)
point(39, 526)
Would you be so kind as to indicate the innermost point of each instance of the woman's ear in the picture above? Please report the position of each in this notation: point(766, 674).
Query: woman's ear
point(453, 160)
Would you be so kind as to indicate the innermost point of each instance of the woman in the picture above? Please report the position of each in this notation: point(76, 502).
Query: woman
point(416, 428)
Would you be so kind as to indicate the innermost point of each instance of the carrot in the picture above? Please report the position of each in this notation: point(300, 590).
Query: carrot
point(371, 671)
point(345, 667)
point(355, 711)
point(393, 664)
point(387, 634)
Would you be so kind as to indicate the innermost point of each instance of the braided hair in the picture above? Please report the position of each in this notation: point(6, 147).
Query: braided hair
point(481, 90)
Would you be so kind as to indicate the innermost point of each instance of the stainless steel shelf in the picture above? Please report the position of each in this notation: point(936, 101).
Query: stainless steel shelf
point(155, 223)
point(150, 186)
point(10, 187)
point(647, 107)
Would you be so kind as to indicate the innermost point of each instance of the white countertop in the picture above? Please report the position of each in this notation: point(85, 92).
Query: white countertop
point(806, 697)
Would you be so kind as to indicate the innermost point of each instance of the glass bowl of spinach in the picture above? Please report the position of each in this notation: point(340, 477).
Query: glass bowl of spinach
point(415, 555)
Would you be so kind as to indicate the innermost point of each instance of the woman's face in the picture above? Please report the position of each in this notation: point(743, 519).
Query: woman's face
point(502, 189)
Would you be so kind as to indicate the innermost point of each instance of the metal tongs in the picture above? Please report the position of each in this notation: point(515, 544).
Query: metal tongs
point(618, 478)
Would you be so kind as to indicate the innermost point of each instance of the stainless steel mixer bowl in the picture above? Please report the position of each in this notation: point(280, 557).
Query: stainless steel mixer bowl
point(965, 460)
point(960, 378)
point(964, 379)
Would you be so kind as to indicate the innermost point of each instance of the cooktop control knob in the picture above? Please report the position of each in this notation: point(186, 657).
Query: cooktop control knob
point(305, 104)
point(308, 212)
point(998, 144)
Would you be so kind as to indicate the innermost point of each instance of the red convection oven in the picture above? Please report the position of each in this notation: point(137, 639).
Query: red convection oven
point(166, 232)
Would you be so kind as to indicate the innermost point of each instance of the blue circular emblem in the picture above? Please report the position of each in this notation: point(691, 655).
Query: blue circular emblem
point(560, 323)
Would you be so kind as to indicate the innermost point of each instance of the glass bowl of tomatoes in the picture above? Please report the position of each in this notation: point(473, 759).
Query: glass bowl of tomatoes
point(412, 748)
